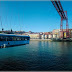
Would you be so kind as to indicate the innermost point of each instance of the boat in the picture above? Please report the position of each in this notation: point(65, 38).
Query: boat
point(7, 40)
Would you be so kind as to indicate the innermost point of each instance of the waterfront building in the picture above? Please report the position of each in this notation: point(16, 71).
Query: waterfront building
point(55, 31)
point(49, 36)
point(35, 36)
point(46, 36)
point(70, 33)
point(62, 34)
point(43, 36)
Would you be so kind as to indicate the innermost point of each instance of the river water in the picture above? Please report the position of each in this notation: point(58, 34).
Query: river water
point(37, 56)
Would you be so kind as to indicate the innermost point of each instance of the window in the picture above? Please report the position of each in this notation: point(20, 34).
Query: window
point(28, 38)
point(9, 38)
point(2, 38)
point(14, 38)
point(18, 38)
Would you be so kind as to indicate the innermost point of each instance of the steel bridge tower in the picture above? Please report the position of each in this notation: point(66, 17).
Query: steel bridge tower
point(63, 15)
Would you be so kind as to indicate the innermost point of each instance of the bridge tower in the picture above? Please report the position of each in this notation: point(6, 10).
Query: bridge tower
point(63, 15)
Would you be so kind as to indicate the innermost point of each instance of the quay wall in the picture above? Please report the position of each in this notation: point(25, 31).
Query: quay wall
point(40, 39)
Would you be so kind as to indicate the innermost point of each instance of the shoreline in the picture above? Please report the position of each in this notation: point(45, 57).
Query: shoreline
point(51, 40)
point(40, 39)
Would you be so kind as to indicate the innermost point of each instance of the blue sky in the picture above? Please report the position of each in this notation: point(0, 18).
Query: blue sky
point(36, 16)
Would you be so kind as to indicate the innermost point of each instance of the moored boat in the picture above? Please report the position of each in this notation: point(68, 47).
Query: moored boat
point(61, 40)
point(7, 40)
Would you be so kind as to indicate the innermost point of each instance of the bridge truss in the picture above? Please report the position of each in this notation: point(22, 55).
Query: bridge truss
point(63, 15)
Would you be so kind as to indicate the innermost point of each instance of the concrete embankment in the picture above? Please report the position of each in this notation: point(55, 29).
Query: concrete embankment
point(63, 40)
point(40, 39)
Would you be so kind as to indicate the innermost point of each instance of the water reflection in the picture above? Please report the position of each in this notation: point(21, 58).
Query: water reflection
point(38, 55)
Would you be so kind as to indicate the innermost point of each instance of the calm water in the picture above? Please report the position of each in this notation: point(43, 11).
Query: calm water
point(37, 56)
